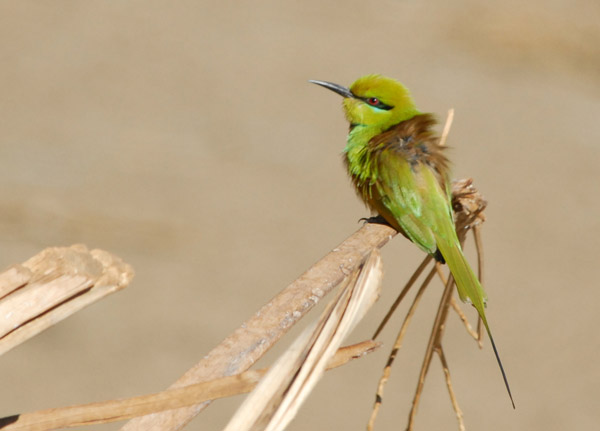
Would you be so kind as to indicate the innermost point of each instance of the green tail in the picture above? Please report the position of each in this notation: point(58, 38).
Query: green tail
point(469, 290)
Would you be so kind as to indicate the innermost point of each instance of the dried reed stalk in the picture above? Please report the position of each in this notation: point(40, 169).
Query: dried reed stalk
point(259, 333)
point(276, 400)
point(249, 342)
point(51, 286)
point(118, 410)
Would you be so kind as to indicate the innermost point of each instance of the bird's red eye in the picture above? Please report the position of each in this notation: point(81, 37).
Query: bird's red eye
point(373, 101)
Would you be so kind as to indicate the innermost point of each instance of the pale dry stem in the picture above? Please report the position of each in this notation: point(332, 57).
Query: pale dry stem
point(402, 294)
point(433, 344)
point(259, 333)
point(274, 403)
point(480, 274)
point(447, 126)
point(51, 286)
point(126, 408)
point(453, 400)
point(255, 336)
point(397, 345)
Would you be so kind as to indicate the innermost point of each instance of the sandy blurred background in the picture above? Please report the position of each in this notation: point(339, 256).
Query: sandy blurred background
point(184, 137)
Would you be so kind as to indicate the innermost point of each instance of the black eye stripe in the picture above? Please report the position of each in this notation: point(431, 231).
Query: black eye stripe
point(379, 105)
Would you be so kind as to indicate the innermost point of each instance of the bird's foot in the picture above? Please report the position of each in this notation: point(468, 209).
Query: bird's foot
point(378, 219)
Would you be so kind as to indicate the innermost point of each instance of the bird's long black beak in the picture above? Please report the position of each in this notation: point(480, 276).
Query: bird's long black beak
point(342, 91)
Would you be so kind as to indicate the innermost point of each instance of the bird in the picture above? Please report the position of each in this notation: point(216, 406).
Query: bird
point(400, 170)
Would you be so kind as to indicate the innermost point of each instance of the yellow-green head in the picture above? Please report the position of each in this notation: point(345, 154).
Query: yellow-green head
point(375, 101)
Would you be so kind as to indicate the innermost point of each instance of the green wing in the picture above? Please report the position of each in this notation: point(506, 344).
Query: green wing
point(414, 197)
point(412, 201)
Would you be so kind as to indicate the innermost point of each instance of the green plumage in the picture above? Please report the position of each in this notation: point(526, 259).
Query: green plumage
point(400, 171)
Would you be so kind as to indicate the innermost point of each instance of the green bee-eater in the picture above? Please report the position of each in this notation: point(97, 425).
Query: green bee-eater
point(400, 171)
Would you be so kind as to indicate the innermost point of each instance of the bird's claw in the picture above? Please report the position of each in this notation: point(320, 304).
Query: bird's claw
point(374, 219)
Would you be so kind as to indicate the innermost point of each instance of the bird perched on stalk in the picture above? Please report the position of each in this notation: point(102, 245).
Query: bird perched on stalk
point(400, 171)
